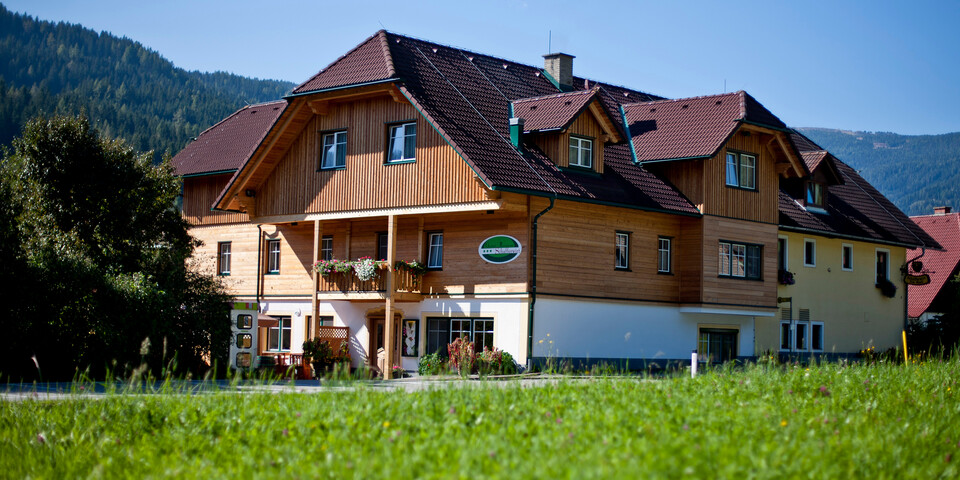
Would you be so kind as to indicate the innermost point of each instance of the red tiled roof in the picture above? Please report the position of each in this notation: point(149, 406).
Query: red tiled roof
point(550, 112)
point(227, 145)
point(368, 62)
point(691, 127)
point(941, 264)
point(855, 209)
point(813, 159)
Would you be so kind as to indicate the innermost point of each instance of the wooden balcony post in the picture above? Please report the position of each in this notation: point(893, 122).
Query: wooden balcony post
point(388, 341)
point(314, 305)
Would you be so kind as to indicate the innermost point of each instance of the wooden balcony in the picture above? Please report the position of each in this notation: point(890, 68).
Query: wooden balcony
point(346, 286)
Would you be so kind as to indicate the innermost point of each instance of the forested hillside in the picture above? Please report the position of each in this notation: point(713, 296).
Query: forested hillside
point(124, 88)
point(916, 172)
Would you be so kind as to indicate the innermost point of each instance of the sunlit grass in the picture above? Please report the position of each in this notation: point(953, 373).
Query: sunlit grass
point(828, 421)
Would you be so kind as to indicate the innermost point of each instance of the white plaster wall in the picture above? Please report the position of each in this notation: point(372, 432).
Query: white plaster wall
point(297, 322)
point(585, 329)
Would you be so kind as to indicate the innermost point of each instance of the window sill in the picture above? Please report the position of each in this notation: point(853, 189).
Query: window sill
point(743, 188)
point(400, 162)
point(434, 269)
point(664, 273)
point(622, 269)
point(221, 274)
point(731, 277)
point(271, 273)
point(812, 265)
point(327, 169)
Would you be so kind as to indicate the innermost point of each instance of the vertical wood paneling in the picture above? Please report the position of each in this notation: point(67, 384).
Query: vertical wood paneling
point(727, 290)
point(758, 205)
point(199, 193)
point(438, 176)
point(556, 145)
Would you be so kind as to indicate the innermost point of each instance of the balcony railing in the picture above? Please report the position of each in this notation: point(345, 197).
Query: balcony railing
point(347, 283)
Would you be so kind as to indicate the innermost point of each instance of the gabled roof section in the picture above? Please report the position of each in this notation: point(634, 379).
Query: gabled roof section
point(816, 157)
point(692, 127)
point(945, 229)
point(855, 210)
point(552, 112)
point(225, 146)
point(368, 62)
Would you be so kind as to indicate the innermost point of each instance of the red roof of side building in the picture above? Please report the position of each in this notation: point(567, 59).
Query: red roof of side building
point(691, 127)
point(941, 264)
point(225, 146)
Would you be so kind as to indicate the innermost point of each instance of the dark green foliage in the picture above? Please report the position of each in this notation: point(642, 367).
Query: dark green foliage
point(432, 364)
point(95, 257)
point(941, 335)
point(127, 90)
point(916, 172)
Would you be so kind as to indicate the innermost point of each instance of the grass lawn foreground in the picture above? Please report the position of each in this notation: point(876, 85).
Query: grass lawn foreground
point(826, 421)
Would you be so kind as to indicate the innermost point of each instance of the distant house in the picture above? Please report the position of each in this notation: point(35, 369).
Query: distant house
point(556, 216)
point(932, 299)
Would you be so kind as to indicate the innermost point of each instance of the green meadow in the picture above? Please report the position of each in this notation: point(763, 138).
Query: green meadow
point(826, 421)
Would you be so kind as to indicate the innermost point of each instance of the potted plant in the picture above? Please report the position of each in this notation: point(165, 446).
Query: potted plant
point(319, 354)
point(785, 277)
point(887, 288)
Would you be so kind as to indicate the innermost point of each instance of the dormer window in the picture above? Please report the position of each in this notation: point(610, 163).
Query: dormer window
point(741, 170)
point(815, 195)
point(581, 152)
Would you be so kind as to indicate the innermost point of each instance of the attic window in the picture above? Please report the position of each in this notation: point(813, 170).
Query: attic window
point(815, 195)
point(581, 152)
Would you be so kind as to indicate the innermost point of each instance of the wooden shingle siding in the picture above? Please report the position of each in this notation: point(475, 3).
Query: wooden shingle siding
point(199, 194)
point(576, 252)
point(737, 291)
point(438, 176)
point(759, 205)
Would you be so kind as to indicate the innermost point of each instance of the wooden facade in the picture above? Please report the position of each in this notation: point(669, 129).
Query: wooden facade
point(296, 184)
point(556, 145)
point(199, 193)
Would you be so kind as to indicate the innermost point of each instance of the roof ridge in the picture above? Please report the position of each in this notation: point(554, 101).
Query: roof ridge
point(675, 100)
point(592, 91)
point(228, 117)
point(387, 54)
point(345, 55)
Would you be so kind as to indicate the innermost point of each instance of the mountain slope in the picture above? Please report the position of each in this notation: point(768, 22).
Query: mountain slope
point(916, 172)
point(126, 90)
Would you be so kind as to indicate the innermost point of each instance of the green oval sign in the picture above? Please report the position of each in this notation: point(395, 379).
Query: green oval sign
point(500, 249)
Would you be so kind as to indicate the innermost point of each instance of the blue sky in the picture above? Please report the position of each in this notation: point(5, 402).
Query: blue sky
point(870, 65)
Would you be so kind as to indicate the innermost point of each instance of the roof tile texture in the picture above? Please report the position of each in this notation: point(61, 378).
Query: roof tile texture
point(367, 62)
point(226, 145)
point(941, 264)
point(552, 111)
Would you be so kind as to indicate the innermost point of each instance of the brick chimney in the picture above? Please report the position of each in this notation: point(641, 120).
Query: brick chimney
point(560, 67)
point(941, 210)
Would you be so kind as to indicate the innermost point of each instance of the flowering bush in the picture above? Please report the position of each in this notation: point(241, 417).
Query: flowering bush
point(432, 364)
point(365, 268)
point(462, 356)
point(414, 267)
point(786, 278)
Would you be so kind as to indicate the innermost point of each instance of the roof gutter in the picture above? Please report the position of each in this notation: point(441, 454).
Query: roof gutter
point(342, 87)
point(535, 193)
point(848, 237)
point(207, 174)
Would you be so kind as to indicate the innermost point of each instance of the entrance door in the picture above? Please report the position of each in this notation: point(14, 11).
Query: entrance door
point(378, 334)
point(717, 345)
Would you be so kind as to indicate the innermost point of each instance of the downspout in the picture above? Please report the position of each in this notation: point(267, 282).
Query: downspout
point(533, 283)
point(259, 252)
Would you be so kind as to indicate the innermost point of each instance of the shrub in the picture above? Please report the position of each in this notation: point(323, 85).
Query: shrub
point(462, 356)
point(432, 364)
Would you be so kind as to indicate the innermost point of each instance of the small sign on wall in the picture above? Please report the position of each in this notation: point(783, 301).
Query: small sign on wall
point(500, 249)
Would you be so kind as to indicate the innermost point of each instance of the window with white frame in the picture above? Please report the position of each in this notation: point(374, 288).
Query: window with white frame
point(883, 265)
point(846, 257)
point(741, 170)
point(741, 260)
point(816, 336)
point(809, 252)
point(403, 143)
point(441, 331)
point(664, 253)
point(278, 336)
point(326, 248)
point(334, 150)
point(622, 251)
point(786, 335)
point(435, 250)
point(273, 256)
point(581, 152)
point(223, 258)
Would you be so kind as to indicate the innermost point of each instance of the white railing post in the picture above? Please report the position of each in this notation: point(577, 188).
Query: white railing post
point(693, 364)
